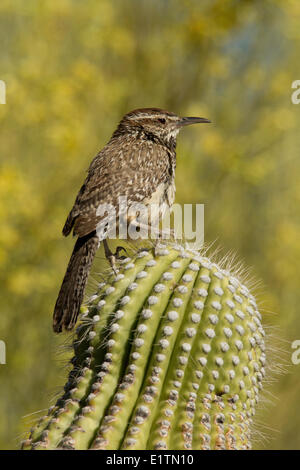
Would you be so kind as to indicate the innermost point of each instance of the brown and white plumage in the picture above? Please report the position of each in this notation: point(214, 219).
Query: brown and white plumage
point(138, 163)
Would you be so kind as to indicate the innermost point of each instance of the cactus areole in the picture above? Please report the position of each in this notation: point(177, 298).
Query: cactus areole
point(169, 354)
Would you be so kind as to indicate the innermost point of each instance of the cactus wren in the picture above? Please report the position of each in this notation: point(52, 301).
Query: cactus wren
point(138, 163)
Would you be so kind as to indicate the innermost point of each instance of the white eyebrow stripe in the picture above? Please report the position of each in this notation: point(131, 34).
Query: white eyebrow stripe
point(155, 116)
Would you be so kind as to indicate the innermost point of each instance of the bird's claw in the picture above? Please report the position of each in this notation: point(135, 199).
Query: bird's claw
point(116, 254)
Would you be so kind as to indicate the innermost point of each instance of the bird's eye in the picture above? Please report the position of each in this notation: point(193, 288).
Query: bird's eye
point(162, 120)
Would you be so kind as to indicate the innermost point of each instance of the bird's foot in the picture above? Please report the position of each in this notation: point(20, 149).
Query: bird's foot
point(140, 250)
point(112, 258)
point(116, 254)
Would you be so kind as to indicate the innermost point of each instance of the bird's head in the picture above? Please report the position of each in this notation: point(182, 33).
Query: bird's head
point(155, 123)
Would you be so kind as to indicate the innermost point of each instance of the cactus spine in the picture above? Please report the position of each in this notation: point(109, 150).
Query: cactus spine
point(169, 355)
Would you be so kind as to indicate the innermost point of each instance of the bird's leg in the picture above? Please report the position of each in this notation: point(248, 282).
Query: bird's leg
point(110, 257)
point(166, 234)
point(113, 257)
point(162, 235)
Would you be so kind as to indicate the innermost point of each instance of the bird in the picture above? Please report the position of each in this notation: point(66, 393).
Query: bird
point(137, 163)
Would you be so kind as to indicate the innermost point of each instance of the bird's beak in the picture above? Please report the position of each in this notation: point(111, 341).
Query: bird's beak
point(186, 121)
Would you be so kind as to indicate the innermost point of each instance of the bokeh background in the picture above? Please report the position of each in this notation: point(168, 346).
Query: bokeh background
point(72, 68)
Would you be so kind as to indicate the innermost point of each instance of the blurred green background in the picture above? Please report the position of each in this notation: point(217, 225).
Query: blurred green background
point(72, 69)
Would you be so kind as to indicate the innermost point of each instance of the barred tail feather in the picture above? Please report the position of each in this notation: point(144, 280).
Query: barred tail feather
point(71, 293)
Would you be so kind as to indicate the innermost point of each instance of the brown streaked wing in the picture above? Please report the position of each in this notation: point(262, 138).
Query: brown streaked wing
point(138, 169)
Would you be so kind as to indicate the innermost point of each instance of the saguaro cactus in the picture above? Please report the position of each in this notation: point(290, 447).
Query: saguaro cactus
point(169, 355)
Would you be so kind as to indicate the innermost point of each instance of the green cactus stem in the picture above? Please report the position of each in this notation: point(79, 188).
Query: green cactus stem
point(169, 354)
